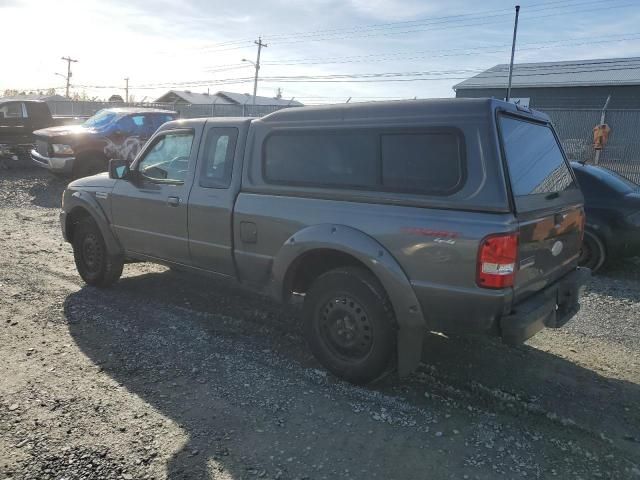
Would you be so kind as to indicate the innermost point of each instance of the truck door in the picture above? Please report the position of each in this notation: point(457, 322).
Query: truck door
point(150, 212)
point(14, 123)
point(39, 115)
point(213, 195)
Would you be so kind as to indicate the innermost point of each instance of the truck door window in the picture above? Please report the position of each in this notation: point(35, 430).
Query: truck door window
point(12, 110)
point(168, 157)
point(218, 156)
point(126, 126)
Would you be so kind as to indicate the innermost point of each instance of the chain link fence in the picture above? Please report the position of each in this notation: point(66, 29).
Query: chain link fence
point(89, 108)
point(621, 153)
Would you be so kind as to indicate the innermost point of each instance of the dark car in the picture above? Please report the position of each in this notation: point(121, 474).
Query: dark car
point(19, 118)
point(612, 204)
point(82, 150)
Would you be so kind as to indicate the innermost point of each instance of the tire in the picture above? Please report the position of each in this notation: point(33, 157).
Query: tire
point(593, 254)
point(89, 164)
point(93, 262)
point(349, 325)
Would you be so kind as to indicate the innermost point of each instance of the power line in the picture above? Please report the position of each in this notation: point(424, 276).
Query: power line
point(376, 57)
point(437, 26)
point(277, 38)
point(375, 77)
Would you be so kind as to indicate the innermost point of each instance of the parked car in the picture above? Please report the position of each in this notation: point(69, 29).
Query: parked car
point(83, 150)
point(612, 204)
point(18, 120)
point(386, 220)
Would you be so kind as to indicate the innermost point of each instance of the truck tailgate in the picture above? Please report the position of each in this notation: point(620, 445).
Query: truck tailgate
point(547, 201)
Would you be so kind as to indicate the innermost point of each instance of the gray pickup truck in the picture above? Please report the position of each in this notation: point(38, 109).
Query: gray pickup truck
point(385, 220)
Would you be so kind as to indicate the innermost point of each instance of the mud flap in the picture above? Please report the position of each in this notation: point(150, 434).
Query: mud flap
point(409, 349)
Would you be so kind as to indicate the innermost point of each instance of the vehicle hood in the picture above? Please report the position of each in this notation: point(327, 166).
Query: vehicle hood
point(64, 130)
point(100, 180)
point(634, 198)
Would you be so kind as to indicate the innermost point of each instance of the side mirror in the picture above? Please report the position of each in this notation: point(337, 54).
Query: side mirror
point(118, 169)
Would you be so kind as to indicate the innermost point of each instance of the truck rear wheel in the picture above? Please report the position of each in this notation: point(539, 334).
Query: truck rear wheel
point(349, 324)
point(93, 262)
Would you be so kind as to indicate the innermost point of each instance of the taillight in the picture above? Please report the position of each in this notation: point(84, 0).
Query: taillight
point(497, 258)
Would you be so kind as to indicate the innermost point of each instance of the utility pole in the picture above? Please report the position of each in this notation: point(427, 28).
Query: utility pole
point(257, 64)
point(513, 52)
point(68, 60)
point(126, 90)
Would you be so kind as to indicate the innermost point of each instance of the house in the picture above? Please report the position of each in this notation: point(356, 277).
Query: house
point(186, 97)
point(568, 84)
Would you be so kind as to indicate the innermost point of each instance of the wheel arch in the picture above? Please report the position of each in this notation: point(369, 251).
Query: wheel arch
point(319, 247)
point(82, 205)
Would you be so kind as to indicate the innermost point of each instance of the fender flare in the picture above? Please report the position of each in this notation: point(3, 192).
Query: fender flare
point(348, 240)
point(87, 202)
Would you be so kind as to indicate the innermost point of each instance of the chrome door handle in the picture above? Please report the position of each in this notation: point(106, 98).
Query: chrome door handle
point(173, 201)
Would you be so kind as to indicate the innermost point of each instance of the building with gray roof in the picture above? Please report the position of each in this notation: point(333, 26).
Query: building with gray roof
point(187, 97)
point(571, 84)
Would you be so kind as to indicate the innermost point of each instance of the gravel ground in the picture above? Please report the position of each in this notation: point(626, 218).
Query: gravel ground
point(167, 376)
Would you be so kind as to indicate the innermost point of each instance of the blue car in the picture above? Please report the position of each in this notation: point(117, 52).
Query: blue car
point(612, 204)
point(82, 150)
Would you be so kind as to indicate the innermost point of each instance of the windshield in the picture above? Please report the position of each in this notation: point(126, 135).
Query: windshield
point(101, 119)
point(537, 167)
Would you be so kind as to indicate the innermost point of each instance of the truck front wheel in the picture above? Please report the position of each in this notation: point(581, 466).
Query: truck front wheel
point(93, 262)
point(349, 324)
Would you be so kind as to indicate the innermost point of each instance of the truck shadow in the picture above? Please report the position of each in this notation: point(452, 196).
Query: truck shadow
point(171, 342)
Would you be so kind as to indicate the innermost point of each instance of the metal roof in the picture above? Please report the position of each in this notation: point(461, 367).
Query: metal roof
point(243, 98)
point(576, 73)
point(226, 98)
point(194, 98)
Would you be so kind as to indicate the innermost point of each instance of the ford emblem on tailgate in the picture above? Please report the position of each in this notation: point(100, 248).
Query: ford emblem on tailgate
point(557, 248)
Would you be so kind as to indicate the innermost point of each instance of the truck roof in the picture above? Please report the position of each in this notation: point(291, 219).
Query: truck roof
point(126, 110)
point(20, 99)
point(398, 109)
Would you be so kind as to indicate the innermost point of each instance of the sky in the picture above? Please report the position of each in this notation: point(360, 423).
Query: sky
point(319, 51)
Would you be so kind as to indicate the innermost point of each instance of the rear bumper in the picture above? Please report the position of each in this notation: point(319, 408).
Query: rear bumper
point(552, 308)
point(62, 165)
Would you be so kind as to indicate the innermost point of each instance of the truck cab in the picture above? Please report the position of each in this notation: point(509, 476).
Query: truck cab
point(18, 120)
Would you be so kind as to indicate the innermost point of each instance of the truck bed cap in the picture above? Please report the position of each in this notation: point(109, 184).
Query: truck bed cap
point(398, 108)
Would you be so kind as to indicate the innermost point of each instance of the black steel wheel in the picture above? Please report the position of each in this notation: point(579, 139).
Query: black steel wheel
point(593, 253)
point(349, 324)
point(93, 262)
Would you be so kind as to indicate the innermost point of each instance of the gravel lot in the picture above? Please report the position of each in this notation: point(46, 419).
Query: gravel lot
point(167, 376)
